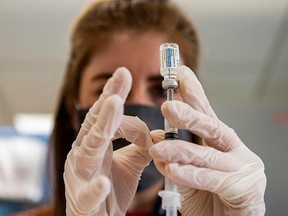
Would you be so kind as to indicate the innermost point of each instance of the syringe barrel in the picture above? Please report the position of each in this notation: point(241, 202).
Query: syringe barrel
point(169, 63)
point(171, 132)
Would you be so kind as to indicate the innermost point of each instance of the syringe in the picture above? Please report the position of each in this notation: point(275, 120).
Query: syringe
point(169, 63)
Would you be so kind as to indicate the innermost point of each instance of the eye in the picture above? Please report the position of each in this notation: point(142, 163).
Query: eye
point(96, 92)
point(98, 88)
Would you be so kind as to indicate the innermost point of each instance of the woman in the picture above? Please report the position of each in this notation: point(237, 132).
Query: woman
point(133, 24)
point(223, 177)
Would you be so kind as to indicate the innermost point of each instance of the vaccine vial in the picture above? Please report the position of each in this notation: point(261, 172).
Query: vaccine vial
point(169, 60)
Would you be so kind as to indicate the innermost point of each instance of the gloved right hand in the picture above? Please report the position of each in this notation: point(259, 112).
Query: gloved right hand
point(97, 180)
point(223, 177)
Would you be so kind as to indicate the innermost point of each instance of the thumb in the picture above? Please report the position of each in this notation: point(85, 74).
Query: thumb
point(134, 130)
point(134, 158)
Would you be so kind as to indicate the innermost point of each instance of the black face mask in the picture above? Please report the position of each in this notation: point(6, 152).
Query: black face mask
point(152, 116)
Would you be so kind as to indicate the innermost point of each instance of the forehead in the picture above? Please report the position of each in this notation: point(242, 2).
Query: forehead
point(134, 50)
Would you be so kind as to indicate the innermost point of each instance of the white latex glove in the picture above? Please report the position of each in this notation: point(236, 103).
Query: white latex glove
point(223, 177)
point(99, 181)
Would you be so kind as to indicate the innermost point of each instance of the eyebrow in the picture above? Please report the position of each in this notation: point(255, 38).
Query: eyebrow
point(103, 75)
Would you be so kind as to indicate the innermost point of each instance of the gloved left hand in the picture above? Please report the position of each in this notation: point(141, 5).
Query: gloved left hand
point(92, 169)
point(223, 177)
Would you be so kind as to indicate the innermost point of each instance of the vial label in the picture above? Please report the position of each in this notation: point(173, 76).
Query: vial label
point(169, 58)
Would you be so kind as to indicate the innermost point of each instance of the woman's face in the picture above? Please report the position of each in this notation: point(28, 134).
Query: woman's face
point(137, 52)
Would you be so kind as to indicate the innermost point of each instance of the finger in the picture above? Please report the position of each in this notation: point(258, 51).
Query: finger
point(97, 140)
point(172, 151)
point(192, 176)
point(221, 183)
point(215, 132)
point(135, 156)
point(157, 135)
point(132, 160)
point(120, 83)
point(192, 92)
point(135, 131)
point(92, 195)
point(160, 166)
point(89, 156)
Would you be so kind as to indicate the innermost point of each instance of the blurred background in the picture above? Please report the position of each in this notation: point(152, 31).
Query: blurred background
point(244, 71)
